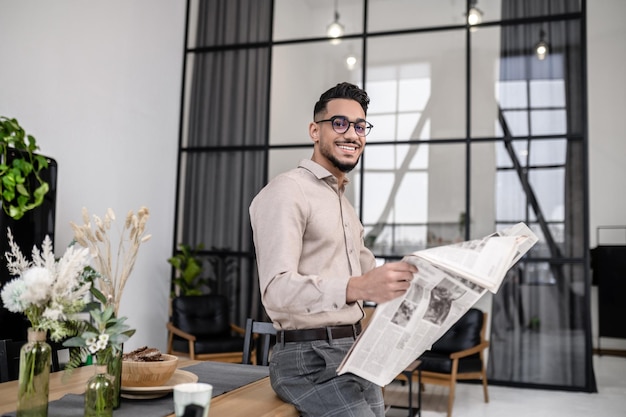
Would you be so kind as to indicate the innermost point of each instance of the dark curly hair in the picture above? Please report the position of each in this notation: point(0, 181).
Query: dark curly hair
point(342, 90)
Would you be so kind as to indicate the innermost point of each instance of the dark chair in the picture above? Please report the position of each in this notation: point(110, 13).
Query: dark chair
point(257, 342)
point(200, 328)
point(458, 355)
point(10, 359)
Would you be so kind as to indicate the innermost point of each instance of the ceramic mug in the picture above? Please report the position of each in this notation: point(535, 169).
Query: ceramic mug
point(192, 393)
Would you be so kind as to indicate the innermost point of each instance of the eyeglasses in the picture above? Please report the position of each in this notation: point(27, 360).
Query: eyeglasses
point(341, 124)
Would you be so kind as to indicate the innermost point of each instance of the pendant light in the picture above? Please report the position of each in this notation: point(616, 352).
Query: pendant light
point(335, 29)
point(474, 14)
point(542, 48)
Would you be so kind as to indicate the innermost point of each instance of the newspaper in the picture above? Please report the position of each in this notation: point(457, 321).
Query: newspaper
point(450, 280)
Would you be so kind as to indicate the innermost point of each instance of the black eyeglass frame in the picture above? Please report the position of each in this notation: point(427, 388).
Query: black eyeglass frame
point(368, 125)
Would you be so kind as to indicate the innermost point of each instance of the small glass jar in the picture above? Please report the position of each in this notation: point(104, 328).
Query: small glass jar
point(99, 394)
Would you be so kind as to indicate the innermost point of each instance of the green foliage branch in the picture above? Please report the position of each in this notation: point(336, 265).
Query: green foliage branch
point(17, 194)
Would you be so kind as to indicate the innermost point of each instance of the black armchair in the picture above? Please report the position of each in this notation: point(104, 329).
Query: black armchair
point(457, 355)
point(200, 328)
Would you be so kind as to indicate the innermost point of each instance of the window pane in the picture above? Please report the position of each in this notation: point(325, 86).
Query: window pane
point(512, 94)
point(485, 59)
point(503, 157)
point(446, 191)
point(548, 152)
point(384, 95)
point(431, 78)
point(548, 186)
point(510, 197)
point(414, 93)
point(516, 122)
point(483, 190)
point(548, 122)
point(547, 93)
point(281, 160)
point(298, 81)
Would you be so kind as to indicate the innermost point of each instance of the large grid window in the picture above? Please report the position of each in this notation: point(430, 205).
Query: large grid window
point(471, 134)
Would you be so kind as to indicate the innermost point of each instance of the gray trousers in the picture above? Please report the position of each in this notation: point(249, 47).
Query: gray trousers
point(305, 375)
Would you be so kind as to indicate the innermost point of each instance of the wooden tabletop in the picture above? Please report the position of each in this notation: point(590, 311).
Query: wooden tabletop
point(255, 399)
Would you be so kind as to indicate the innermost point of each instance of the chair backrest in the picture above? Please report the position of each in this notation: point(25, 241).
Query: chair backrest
point(264, 331)
point(201, 315)
point(463, 334)
point(10, 358)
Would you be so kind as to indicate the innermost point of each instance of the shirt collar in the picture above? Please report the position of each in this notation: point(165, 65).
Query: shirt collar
point(319, 171)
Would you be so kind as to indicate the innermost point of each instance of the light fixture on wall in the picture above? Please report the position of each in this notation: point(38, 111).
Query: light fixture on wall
point(474, 14)
point(542, 48)
point(335, 29)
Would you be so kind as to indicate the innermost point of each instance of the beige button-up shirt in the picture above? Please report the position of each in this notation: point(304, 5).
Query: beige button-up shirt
point(309, 242)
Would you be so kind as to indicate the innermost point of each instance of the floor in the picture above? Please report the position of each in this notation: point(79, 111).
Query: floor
point(609, 401)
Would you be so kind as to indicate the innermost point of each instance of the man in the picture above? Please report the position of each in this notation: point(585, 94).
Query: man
point(314, 268)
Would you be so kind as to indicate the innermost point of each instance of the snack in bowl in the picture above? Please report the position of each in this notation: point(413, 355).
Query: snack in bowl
point(147, 367)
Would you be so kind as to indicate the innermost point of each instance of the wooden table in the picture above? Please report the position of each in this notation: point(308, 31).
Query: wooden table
point(254, 399)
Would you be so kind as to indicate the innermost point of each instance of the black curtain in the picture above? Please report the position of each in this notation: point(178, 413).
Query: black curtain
point(223, 162)
point(523, 352)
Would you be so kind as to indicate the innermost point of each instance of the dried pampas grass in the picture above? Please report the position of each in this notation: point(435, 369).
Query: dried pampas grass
point(96, 238)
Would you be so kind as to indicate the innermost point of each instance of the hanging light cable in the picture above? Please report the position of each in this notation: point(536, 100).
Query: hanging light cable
point(542, 48)
point(335, 29)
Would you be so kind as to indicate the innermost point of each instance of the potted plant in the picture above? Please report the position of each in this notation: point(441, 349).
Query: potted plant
point(21, 186)
point(188, 265)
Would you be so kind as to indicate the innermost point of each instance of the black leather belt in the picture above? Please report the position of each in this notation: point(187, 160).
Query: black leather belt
point(320, 333)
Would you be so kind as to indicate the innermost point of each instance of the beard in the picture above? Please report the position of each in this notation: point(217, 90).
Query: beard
point(345, 167)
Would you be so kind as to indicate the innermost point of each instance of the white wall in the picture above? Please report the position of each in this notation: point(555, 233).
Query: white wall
point(607, 138)
point(98, 85)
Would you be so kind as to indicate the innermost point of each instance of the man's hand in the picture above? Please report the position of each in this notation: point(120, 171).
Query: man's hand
point(381, 284)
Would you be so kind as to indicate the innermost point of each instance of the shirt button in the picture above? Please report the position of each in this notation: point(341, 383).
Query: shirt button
point(334, 306)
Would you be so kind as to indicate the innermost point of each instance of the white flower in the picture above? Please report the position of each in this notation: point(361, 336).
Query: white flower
point(38, 281)
point(54, 313)
point(47, 291)
point(12, 295)
point(104, 338)
point(101, 344)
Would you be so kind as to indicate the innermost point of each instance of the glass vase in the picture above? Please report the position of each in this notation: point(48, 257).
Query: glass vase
point(114, 369)
point(34, 376)
point(99, 394)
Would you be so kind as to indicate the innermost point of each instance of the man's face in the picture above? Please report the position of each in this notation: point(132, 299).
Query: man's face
point(338, 151)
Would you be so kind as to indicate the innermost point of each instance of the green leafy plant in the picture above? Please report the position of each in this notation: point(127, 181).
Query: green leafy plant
point(21, 186)
point(189, 268)
point(102, 335)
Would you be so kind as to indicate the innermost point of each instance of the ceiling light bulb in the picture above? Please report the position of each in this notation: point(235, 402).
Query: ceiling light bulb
point(334, 30)
point(474, 16)
point(351, 62)
point(542, 50)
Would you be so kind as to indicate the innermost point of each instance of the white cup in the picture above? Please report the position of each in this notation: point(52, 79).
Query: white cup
point(192, 393)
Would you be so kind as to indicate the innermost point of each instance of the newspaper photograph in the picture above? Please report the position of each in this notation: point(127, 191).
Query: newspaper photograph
point(449, 281)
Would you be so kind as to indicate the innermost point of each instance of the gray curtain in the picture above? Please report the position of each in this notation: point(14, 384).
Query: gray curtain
point(222, 159)
point(523, 352)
